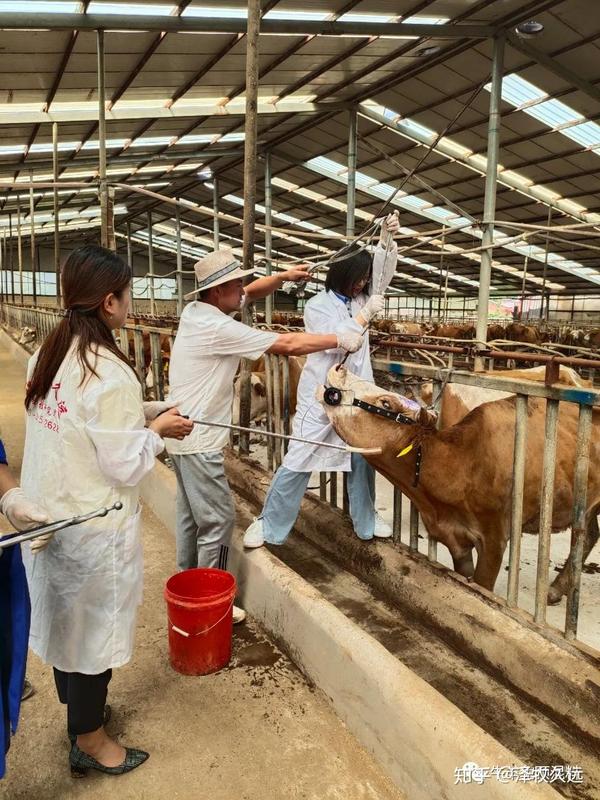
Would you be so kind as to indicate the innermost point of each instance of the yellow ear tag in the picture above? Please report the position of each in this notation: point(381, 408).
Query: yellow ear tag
point(405, 451)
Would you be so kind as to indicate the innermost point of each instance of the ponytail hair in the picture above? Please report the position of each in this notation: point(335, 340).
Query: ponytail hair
point(89, 275)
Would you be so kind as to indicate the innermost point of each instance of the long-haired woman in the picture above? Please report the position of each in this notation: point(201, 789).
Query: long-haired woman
point(87, 446)
point(349, 301)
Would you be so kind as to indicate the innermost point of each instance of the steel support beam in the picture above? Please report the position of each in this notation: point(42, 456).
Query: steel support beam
point(290, 27)
point(32, 242)
point(250, 161)
point(103, 188)
point(489, 204)
point(55, 210)
point(351, 191)
point(179, 262)
point(269, 300)
point(216, 212)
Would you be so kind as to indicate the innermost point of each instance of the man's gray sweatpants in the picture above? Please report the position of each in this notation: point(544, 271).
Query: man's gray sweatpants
point(205, 511)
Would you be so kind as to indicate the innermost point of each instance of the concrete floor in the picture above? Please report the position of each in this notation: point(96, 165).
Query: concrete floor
point(254, 731)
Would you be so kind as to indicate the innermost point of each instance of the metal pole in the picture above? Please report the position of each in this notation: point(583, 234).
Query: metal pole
point(151, 265)
point(489, 203)
point(216, 212)
point(523, 287)
point(350, 215)
point(32, 242)
point(12, 261)
point(19, 247)
point(103, 188)
point(179, 262)
point(2, 268)
point(351, 192)
point(546, 504)
point(268, 237)
point(441, 272)
point(55, 210)
point(546, 263)
point(250, 133)
point(578, 531)
point(130, 262)
point(516, 528)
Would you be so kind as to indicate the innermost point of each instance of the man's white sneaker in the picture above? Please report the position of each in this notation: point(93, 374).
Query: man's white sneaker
point(254, 536)
point(239, 615)
point(382, 529)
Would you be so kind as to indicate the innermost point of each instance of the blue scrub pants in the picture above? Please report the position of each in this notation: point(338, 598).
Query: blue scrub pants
point(287, 489)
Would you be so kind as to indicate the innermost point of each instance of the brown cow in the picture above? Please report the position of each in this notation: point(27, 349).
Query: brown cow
point(465, 485)
point(527, 334)
point(258, 390)
point(458, 399)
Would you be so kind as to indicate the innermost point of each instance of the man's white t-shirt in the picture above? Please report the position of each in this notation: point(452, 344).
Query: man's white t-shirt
point(205, 358)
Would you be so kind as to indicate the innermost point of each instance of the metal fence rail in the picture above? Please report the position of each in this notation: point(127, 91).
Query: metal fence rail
point(148, 349)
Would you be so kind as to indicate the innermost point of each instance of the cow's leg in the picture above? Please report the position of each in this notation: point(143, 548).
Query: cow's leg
point(560, 584)
point(489, 559)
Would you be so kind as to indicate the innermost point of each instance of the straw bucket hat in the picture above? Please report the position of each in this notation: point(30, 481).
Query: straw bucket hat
point(216, 268)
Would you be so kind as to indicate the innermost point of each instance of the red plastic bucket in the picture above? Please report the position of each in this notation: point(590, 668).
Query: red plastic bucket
point(200, 612)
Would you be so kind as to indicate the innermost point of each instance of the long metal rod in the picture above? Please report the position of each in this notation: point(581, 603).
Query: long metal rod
point(546, 249)
point(268, 234)
point(55, 211)
point(516, 528)
point(216, 210)
point(351, 190)
point(151, 264)
point(291, 27)
point(578, 530)
point(12, 260)
point(32, 241)
point(546, 507)
point(523, 287)
point(103, 188)
point(44, 530)
point(489, 203)
point(179, 262)
point(19, 247)
point(373, 451)
point(130, 262)
point(250, 175)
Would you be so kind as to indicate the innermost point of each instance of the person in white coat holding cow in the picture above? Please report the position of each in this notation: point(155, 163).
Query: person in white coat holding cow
point(88, 445)
point(346, 304)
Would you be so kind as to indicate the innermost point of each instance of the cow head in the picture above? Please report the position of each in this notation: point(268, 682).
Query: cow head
point(360, 428)
point(258, 397)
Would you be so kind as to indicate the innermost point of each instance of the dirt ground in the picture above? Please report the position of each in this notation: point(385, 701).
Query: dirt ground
point(254, 731)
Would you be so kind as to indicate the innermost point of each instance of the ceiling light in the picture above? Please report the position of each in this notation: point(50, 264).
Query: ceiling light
point(528, 30)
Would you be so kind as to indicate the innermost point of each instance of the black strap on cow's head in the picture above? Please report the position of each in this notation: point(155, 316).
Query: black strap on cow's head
point(333, 397)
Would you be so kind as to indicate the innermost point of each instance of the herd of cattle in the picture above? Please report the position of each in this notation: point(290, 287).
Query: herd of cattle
point(545, 332)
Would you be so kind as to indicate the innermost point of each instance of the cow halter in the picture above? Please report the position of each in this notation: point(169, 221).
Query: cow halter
point(333, 397)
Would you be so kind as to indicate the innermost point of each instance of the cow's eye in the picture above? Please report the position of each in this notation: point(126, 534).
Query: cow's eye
point(386, 404)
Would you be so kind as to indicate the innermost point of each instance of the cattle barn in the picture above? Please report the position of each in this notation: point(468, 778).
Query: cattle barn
point(462, 647)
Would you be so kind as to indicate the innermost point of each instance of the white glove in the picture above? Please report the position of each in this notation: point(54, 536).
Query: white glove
point(389, 229)
point(372, 307)
point(22, 514)
point(350, 341)
point(153, 408)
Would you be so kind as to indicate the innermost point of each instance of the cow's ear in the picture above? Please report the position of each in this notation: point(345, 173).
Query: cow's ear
point(260, 389)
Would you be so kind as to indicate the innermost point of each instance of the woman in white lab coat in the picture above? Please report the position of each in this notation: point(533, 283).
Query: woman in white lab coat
point(345, 304)
point(87, 446)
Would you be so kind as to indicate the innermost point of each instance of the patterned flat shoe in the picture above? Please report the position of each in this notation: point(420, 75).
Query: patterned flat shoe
point(80, 762)
point(105, 721)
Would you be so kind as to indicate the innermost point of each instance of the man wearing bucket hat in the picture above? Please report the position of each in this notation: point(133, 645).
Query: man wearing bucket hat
point(205, 358)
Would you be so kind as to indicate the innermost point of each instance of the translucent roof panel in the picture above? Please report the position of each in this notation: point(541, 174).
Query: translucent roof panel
point(558, 116)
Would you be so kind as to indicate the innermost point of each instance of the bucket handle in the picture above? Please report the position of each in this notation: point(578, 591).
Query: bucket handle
point(206, 630)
